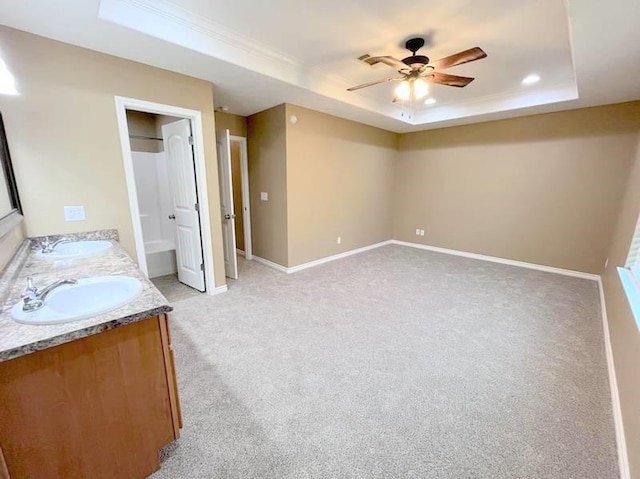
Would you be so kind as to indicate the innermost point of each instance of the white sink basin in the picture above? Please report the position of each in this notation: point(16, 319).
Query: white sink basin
point(89, 297)
point(75, 249)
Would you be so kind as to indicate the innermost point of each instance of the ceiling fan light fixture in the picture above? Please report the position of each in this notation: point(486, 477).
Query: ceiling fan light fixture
point(403, 91)
point(420, 88)
point(412, 89)
point(417, 71)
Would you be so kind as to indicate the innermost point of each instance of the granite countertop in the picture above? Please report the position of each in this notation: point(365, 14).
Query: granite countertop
point(17, 339)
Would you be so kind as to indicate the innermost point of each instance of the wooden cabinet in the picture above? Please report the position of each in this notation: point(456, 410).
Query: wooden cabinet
point(99, 407)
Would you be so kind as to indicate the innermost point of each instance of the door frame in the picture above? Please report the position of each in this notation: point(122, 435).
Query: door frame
point(122, 105)
point(244, 186)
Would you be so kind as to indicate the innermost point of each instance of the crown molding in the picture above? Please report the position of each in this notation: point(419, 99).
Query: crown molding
point(169, 22)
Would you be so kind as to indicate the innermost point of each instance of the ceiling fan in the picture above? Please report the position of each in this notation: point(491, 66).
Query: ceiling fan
point(417, 70)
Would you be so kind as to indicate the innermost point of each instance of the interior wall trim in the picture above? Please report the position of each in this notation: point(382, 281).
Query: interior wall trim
point(175, 24)
point(311, 264)
point(246, 197)
point(122, 104)
point(270, 264)
point(621, 442)
point(495, 259)
point(482, 257)
point(219, 289)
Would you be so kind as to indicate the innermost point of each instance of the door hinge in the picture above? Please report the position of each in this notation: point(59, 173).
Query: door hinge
point(201, 266)
point(191, 139)
point(197, 207)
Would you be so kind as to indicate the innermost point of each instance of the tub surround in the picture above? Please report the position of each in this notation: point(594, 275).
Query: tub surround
point(20, 339)
point(153, 189)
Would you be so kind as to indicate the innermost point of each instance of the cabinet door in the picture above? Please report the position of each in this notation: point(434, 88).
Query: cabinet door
point(172, 382)
point(97, 407)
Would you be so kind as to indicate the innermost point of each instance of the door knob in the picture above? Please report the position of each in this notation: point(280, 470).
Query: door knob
point(228, 217)
point(172, 217)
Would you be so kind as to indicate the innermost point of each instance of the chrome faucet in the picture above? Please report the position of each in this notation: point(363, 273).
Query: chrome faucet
point(33, 299)
point(49, 247)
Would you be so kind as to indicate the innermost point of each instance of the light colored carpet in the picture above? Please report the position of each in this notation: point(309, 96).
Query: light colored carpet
point(393, 363)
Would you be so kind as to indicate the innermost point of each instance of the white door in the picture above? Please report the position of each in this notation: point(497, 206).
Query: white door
point(223, 144)
point(182, 177)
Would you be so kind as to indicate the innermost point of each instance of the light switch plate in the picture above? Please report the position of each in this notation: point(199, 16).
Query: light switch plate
point(264, 196)
point(74, 213)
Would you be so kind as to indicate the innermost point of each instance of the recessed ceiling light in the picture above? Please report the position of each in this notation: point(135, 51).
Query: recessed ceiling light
point(531, 79)
point(430, 101)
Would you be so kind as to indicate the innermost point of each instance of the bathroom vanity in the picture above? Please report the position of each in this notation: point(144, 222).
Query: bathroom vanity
point(92, 398)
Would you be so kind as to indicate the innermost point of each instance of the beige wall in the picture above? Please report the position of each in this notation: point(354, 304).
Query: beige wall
point(266, 143)
point(543, 189)
point(339, 183)
point(64, 138)
point(625, 337)
point(237, 125)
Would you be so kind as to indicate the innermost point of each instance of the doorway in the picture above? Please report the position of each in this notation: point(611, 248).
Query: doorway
point(164, 167)
point(233, 171)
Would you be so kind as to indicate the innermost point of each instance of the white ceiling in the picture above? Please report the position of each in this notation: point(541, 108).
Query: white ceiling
point(260, 54)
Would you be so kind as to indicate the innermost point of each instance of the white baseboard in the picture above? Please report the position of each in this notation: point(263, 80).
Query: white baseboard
point(311, 264)
point(240, 252)
point(482, 257)
point(271, 264)
point(334, 257)
point(623, 459)
point(495, 259)
point(218, 290)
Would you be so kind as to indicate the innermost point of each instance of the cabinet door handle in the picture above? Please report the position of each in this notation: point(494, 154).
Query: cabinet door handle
point(172, 217)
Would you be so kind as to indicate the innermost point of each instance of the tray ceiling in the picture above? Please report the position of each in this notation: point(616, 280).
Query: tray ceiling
point(260, 54)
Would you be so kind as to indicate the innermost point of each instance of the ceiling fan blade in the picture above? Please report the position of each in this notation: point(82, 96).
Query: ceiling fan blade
point(466, 56)
point(387, 60)
point(365, 85)
point(449, 80)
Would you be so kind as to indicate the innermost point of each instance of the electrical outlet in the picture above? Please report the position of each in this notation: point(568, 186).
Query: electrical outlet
point(264, 196)
point(338, 240)
point(417, 232)
point(421, 232)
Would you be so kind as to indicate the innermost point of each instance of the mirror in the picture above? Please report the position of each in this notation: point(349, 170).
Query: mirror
point(10, 209)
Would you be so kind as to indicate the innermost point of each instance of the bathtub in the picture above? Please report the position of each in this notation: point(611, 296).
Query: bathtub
point(161, 258)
